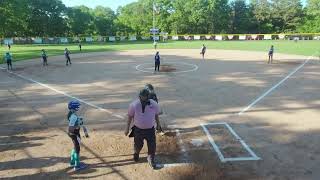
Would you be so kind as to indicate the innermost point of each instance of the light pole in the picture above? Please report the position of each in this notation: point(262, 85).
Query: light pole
point(153, 17)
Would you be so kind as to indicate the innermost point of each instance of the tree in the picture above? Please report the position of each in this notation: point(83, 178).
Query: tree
point(189, 16)
point(46, 18)
point(311, 20)
point(162, 15)
point(287, 15)
point(241, 20)
point(103, 20)
point(262, 12)
point(220, 16)
point(136, 17)
point(80, 20)
point(13, 18)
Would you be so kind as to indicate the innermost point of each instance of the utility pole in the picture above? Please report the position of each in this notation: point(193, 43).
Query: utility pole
point(154, 22)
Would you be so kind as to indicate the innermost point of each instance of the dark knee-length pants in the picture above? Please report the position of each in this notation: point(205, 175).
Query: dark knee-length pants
point(145, 134)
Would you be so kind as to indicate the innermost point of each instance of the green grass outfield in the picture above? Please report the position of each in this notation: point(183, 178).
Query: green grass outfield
point(21, 52)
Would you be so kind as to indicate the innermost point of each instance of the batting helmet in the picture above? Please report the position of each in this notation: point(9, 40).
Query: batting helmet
point(74, 104)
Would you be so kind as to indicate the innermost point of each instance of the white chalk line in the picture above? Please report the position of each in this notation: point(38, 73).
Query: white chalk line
point(195, 68)
point(253, 157)
point(172, 165)
point(214, 145)
point(274, 87)
point(242, 142)
point(65, 94)
point(83, 101)
point(17, 143)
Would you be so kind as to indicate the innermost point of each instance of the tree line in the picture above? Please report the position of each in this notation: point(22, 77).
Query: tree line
point(51, 18)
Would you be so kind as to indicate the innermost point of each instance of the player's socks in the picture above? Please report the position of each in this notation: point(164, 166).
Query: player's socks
point(72, 158)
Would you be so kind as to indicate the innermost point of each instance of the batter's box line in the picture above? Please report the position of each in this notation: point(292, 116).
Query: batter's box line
point(253, 157)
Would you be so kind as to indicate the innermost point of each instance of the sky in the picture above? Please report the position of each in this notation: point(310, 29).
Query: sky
point(113, 4)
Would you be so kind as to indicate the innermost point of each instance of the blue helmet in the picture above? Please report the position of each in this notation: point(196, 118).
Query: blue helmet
point(74, 104)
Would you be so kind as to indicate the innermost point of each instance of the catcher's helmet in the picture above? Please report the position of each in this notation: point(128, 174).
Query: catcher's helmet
point(149, 87)
point(144, 92)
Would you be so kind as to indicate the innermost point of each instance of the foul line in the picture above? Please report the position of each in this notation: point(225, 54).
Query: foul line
point(65, 94)
point(274, 87)
point(97, 107)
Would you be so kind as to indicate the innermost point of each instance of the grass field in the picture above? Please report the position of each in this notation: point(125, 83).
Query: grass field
point(22, 52)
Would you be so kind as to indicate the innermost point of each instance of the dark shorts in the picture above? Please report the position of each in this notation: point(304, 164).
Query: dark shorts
point(74, 134)
point(145, 134)
point(9, 62)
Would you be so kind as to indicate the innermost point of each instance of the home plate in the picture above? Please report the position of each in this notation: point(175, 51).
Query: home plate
point(197, 142)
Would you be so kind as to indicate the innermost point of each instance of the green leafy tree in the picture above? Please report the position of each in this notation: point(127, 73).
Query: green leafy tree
point(13, 18)
point(46, 18)
point(103, 20)
point(80, 20)
point(311, 20)
point(241, 17)
point(287, 15)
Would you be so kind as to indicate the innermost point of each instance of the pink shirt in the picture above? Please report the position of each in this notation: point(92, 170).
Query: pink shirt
point(144, 120)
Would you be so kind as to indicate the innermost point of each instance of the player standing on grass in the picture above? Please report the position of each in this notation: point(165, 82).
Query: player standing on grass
point(75, 123)
point(271, 55)
point(157, 62)
point(44, 57)
point(80, 46)
point(8, 59)
point(155, 45)
point(143, 113)
point(203, 50)
point(67, 55)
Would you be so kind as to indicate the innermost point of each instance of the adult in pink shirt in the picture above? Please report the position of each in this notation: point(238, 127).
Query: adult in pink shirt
point(143, 113)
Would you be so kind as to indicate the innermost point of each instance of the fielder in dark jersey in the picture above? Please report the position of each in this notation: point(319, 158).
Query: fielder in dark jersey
point(8, 59)
point(44, 58)
point(67, 55)
point(271, 55)
point(203, 50)
point(157, 62)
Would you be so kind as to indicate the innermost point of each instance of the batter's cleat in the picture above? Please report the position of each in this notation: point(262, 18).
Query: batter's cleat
point(81, 166)
point(151, 163)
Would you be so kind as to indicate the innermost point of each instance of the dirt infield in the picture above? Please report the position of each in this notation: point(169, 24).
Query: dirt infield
point(167, 68)
point(282, 128)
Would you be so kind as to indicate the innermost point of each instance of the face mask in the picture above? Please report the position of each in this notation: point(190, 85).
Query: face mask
point(144, 103)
